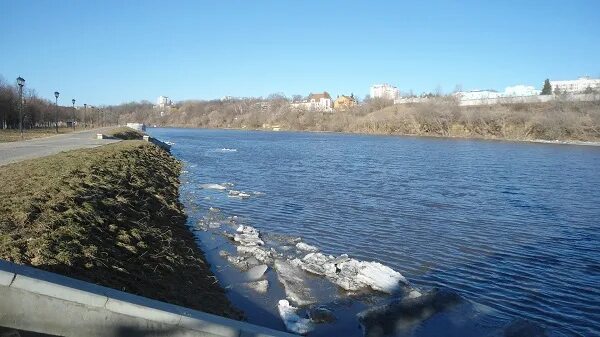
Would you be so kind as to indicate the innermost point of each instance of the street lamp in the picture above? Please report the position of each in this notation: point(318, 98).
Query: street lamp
point(84, 111)
point(56, 93)
point(21, 83)
point(73, 118)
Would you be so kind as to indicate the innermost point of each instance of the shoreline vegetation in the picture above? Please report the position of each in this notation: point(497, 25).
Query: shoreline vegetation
point(557, 121)
point(109, 215)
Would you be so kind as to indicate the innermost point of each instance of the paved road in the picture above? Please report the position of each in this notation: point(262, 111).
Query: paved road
point(40, 147)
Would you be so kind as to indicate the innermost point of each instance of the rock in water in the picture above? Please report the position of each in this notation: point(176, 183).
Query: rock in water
point(292, 321)
point(524, 328)
point(383, 320)
point(321, 315)
point(256, 272)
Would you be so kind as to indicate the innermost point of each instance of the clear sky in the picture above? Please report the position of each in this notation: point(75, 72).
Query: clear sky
point(107, 52)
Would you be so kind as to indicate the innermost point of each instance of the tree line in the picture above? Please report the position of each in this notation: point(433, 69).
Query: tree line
point(40, 112)
point(438, 116)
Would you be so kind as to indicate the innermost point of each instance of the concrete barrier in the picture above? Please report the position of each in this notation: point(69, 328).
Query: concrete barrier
point(157, 142)
point(44, 302)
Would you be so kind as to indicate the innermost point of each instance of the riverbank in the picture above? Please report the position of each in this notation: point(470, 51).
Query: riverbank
point(109, 215)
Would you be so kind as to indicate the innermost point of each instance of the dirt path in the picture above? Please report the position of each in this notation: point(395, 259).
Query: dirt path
point(12, 152)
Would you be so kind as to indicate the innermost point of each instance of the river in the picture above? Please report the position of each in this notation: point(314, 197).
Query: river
point(512, 227)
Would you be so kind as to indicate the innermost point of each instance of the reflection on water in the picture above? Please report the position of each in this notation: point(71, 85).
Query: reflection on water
point(513, 227)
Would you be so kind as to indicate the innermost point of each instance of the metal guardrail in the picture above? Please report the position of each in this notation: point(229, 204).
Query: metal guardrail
point(44, 302)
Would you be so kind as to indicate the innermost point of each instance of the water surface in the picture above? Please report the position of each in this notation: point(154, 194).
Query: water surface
point(511, 226)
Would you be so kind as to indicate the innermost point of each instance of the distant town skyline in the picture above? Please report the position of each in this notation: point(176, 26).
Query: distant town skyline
point(112, 52)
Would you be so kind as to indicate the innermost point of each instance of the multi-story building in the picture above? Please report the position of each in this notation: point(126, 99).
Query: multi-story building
point(315, 102)
point(344, 102)
point(385, 91)
point(579, 85)
point(163, 101)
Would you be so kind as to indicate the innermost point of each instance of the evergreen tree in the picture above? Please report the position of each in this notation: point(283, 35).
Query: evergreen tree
point(547, 89)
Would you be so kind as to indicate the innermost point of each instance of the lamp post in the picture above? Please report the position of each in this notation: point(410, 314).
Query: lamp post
point(21, 83)
point(73, 117)
point(56, 93)
point(84, 111)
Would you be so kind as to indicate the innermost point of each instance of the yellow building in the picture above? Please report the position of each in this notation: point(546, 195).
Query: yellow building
point(344, 102)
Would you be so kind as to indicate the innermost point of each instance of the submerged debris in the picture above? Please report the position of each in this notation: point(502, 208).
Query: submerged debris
point(320, 314)
point(385, 319)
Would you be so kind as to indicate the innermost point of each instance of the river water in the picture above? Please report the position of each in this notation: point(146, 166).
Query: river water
point(512, 227)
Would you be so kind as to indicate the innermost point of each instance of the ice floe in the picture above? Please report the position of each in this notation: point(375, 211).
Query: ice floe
point(226, 150)
point(238, 194)
point(220, 187)
point(292, 321)
point(303, 270)
point(292, 279)
point(256, 272)
point(306, 247)
point(351, 274)
point(260, 287)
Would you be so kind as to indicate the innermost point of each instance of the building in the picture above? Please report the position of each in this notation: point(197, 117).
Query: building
point(385, 91)
point(315, 102)
point(477, 94)
point(344, 102)
point(577, 86)
point(163, 101)
point(520, 91)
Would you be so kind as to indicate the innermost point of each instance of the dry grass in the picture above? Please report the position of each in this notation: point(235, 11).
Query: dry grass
point(12, 135)
point(125, 133)
point(109, 215)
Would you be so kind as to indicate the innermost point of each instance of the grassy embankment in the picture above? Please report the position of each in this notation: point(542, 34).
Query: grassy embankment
point(125, 133)
point(109, 215)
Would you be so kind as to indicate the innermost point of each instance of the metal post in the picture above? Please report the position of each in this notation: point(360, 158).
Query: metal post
point(73, 115)
point(21, 110)
point(84, 112)
point(21, 83)
point(56, 93)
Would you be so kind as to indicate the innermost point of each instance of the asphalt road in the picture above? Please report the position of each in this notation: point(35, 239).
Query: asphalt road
point(12, 152)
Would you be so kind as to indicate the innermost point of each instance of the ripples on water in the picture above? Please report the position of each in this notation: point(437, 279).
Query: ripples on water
point(514, 226)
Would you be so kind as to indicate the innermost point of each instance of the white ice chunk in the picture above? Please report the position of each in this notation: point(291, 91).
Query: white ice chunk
point(306, 247)
point(292, 321)
point(213, 187)
point(260, 287)
point(380, 277)
point(292, 279)
point(256, 272)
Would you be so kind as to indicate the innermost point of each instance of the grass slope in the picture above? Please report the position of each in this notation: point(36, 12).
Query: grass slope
point(109, 215)
point(125, 133)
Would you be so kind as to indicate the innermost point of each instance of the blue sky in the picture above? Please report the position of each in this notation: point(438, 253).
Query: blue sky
point(107, 52)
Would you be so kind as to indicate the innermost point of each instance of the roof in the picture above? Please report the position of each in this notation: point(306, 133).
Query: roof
point(318, 96)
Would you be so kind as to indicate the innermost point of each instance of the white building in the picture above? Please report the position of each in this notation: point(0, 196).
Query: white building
point(315, 102)
point(520, 91)
point(579, 85)
point(163, 101)
point(477, 95)
point(384, 91)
